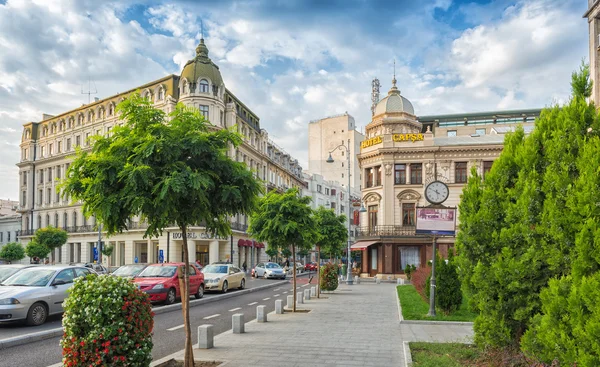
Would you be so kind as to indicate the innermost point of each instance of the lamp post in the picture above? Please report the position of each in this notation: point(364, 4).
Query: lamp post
point(348, 254)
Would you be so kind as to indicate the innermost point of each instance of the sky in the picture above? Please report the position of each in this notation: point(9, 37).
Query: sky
point(289, 61)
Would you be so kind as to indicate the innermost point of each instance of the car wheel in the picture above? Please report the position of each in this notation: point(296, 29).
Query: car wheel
point(170, 297)
point(200, 293)
point(243, 284)
point(225, 287)
point(37, 314)
point(265, 275)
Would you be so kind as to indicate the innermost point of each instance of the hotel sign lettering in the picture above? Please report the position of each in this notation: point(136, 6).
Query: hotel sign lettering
point(395, 137)
point(194, 235)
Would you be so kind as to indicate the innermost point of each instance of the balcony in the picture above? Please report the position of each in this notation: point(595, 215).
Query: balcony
point(235, 226)
point(385, 231)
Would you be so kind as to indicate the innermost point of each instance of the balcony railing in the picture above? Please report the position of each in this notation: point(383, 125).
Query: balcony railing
point(385, 231)
point(235, 226)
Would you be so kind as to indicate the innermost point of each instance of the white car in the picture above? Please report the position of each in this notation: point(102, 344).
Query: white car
point(269, 270)
point(222, 277)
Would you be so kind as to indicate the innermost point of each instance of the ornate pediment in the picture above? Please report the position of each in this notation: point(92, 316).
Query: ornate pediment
point(409, 195)
point(372, 197)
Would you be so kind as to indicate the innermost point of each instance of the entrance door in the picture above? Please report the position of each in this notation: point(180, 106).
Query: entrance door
point(373, 268)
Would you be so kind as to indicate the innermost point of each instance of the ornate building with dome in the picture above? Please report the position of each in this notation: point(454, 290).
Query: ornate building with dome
point(47, 147)
point(401, 154)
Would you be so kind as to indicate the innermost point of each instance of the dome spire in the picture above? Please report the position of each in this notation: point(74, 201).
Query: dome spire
point(394, 89)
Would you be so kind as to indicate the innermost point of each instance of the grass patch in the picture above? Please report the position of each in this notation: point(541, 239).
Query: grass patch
point(444, 354)
point(414, 308)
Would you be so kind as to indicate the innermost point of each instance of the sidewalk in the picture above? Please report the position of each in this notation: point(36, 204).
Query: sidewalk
point(356, 325)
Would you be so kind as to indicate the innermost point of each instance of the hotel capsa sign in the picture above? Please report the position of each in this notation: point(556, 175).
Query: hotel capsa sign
point(395, 137)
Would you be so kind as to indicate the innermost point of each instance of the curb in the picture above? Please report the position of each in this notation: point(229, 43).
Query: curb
point(427, 322)
point(47, 334)
point(407, 354)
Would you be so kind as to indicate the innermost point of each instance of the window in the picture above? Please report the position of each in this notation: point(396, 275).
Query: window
point(42, 151)
point(161, 94)
point(68, 144)
point(74, 219)
point(332, 205)
point(57, 200)
point(79, 272)
point(110, 110)
point(204, 86)
point(65, 220)
point(408, 214)
point(41, 175)
point(451, 132)
point(78, 140)
point(460, 172)
point(326, 191)
point(487, 166)
point(56, 220)
point(342, 209)
point(47, 220)
point(480, 131)
point(48, 195)
point(65, 276)
point(39, 223)
point(49, 174)
point(58, 172)
point(1, 234)
point(399, 174)
point(24, 198)
point(416, 173)
point(369, 176)
point(24, 153)
point(319, 188)
point(204, 111)
point(87, 139)
point(59, 147)
point(8, 236)
point(50, 149)
point(377, 176)
point(408, 255)
point(185, 88)
point(372, 217)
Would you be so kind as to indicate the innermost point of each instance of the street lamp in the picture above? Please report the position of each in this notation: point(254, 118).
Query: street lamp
point(348, 254)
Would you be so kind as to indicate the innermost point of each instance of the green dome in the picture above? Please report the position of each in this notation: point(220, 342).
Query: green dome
point(202, 66)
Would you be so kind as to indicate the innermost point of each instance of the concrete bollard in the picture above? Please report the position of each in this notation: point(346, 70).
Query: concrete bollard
point(356, 279)
point(205, 337)
point(261, 314)
point(290, 302)
point(307, 294)
point(237, 322)
point(313, 291)
point(377, 280)
point(279, 307)
point(299, 298)
point(400, 281)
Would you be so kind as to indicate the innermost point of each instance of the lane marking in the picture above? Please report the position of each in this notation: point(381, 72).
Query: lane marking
point(235, 309)
point(212, 316)
point(276, 295)
point(285, 292)
point(266, 299)
point(176, 327)
point(276, 289)
point(253, 303)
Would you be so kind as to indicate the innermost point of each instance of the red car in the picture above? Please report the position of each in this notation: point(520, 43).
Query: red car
point(312, 266)
point(160, 282)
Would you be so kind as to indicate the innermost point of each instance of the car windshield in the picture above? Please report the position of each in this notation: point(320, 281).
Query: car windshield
point(7, 272)
point(221, 269)
point(272, 266)
point(129, 270)
point(30, 277)
point(158, 272)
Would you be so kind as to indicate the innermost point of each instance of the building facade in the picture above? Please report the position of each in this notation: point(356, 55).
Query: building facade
point(401, 154)
point(593, 15)
point(47, 147)
point(324, 136)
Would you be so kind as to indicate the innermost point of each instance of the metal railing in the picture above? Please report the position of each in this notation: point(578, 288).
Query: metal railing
point(385, 231)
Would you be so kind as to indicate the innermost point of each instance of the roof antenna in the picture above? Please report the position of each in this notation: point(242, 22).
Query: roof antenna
point(89, 92)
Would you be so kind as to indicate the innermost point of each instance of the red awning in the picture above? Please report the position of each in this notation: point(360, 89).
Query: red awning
point(242, 242)
point(362, 245)
point(260, 245)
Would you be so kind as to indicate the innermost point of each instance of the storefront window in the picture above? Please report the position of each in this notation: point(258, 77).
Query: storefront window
point(202, 254)
point(409, 255)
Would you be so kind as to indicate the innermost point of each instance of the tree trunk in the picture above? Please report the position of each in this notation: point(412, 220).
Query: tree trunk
point(294, 278)
point(188, 355)
point(318, 271)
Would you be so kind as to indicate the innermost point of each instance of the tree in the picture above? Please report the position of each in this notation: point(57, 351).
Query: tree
point(282, 220)
point(448, 293)
point(108, 250)
point(272, 252)
point(332, 235)
point(51, 237)
point(581, 84)
point(36, 249)
point(12, 251)
point(168, 170)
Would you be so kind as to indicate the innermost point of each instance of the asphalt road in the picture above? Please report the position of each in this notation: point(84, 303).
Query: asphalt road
point(168, 327)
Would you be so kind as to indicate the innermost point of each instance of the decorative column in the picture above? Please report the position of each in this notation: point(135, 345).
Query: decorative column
point(213, 251)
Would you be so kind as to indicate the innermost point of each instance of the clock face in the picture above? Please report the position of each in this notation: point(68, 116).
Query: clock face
point(436, 192)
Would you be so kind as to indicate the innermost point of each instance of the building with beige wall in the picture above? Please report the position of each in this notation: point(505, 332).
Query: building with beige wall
point(324, 136)
point(47, 147)
point(400, 156)
point(593, 15)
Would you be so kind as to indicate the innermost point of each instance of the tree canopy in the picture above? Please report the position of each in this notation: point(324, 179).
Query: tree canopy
point(36, 249)
point(332, 231)
point(170, 170)
point(12, 252)
point(51, 237)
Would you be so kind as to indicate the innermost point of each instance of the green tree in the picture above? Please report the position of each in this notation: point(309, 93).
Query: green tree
point(272, 252)
point(168, 170)
point(51, 237)
point(108, 250)
point(12, 252)
point(332, 234)
point(282, 220)
point(448, 290)
point(581, 83)
point(36, 249)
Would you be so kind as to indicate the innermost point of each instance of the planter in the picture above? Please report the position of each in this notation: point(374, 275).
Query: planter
point(175, 363)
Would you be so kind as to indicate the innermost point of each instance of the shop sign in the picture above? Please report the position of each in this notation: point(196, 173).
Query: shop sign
point(194, 235)
point(370, 142)
point(407, 137)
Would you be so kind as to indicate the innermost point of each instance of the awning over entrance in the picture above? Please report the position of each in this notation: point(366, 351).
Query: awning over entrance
point(362, 245)
point(243, 243)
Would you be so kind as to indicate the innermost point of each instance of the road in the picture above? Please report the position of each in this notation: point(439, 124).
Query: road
point(168, 327)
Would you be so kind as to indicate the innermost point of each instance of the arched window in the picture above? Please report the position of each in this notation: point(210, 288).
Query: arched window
point(26, 223)
point(110, 109)
point(161, 94)
point(65, 220)
point(47, 219)
point(74, 219)
point(56, 220)
point(39, 224)
point(204, 86)
point(185, 88)
point(79, 119)
point(90, 116)
point(148, 95)
point(45, 131)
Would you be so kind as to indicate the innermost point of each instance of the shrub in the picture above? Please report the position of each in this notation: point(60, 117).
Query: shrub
point(448, 295)
point(12, 251)
point(35, 249)
point(329, 279)
point(408, 270)
point(107, 322)
point(419, 279)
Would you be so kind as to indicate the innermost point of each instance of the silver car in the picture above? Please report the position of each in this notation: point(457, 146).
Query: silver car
point(32, 294)
point(269, 270)
point(7, 271)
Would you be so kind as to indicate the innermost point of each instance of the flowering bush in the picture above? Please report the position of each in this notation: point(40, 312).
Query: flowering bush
point(329, 279)
point(419, 279)
point(107, 322)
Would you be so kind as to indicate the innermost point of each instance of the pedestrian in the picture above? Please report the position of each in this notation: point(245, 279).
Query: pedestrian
point(244, 266)
point(354, 264)
point(287, 262)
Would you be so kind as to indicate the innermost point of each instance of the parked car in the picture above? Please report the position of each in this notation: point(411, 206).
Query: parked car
point(8, 270)
point(32, 294)
point(160, 282)
point(98, 268)
point(222, 277)
point(290, 269)
point(269, 270)
point(311, 266)
point(129, 271)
